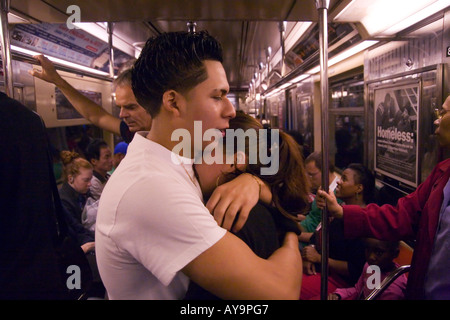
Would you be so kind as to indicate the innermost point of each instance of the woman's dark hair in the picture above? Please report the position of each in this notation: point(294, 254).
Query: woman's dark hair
point(174, 61)
point(365, 177)
point(289, 185)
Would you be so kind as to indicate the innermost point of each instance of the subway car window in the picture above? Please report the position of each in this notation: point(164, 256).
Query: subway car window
point(347, 121)
point(348, 94)
point(348, 140)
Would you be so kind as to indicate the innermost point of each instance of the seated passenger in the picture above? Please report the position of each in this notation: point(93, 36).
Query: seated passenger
point(99, 155)
point(74, 192)
point(75, 196)
point(266, 226)
point(346, 257)
point(382, 254)
point(313, 165)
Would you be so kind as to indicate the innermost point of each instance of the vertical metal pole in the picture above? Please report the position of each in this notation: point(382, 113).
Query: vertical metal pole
point(322, 8)
point(6, 53)
point(282, 29)
point(268, 58)
point(111, 49)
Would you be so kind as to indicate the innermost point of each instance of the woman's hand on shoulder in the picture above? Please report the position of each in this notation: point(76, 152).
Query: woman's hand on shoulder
point(329, 199)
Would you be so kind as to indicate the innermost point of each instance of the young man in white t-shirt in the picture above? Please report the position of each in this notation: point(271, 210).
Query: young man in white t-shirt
point(153, 232)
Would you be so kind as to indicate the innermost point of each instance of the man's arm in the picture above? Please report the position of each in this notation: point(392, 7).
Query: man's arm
point(87, 108)
point(239, 195)
point(230, 270)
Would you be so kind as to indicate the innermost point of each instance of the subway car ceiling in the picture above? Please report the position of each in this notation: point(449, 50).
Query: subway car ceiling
point(254, 34)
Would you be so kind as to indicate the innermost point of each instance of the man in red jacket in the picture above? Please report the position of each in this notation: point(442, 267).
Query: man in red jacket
point(423, 215)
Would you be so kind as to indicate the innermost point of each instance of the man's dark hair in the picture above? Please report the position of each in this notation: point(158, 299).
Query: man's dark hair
point(172, 61)
point(93, 149)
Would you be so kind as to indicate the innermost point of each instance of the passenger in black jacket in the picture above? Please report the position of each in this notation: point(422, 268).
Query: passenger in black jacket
point(28, 229)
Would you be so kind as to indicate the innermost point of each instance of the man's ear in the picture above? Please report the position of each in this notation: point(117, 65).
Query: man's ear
point(93, 161)
point(171, 101)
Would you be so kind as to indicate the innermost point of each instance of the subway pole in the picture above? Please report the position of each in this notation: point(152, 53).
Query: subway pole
point(322, 8)
point(6, 53)
point(110, 29)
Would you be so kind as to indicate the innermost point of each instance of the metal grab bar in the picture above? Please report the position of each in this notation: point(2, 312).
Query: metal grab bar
point(388, 281)
point(322, 8)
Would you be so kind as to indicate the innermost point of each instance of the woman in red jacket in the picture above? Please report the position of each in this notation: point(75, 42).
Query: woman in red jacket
point(423, 215)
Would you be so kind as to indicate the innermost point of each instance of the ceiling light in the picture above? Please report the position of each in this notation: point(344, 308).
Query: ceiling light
point(387, 17)
point(346, 54)
point(300, 77)
point(14, 18)
point(418, 16)
point(352, 51)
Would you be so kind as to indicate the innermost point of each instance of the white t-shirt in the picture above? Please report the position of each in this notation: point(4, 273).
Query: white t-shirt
point(151, 222)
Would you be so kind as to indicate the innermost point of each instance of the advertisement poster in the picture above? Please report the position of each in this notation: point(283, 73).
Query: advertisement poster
point(65, 110)
point(305, 120)
point(396, 126)
point(58, 41)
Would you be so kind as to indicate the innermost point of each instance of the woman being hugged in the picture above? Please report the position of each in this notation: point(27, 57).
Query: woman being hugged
point(267, 224)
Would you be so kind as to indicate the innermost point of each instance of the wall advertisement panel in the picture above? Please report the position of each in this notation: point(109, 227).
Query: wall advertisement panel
point(396, 117)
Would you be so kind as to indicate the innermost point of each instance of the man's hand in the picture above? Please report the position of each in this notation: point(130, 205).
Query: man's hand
point(239, 195)
point(48, 72)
